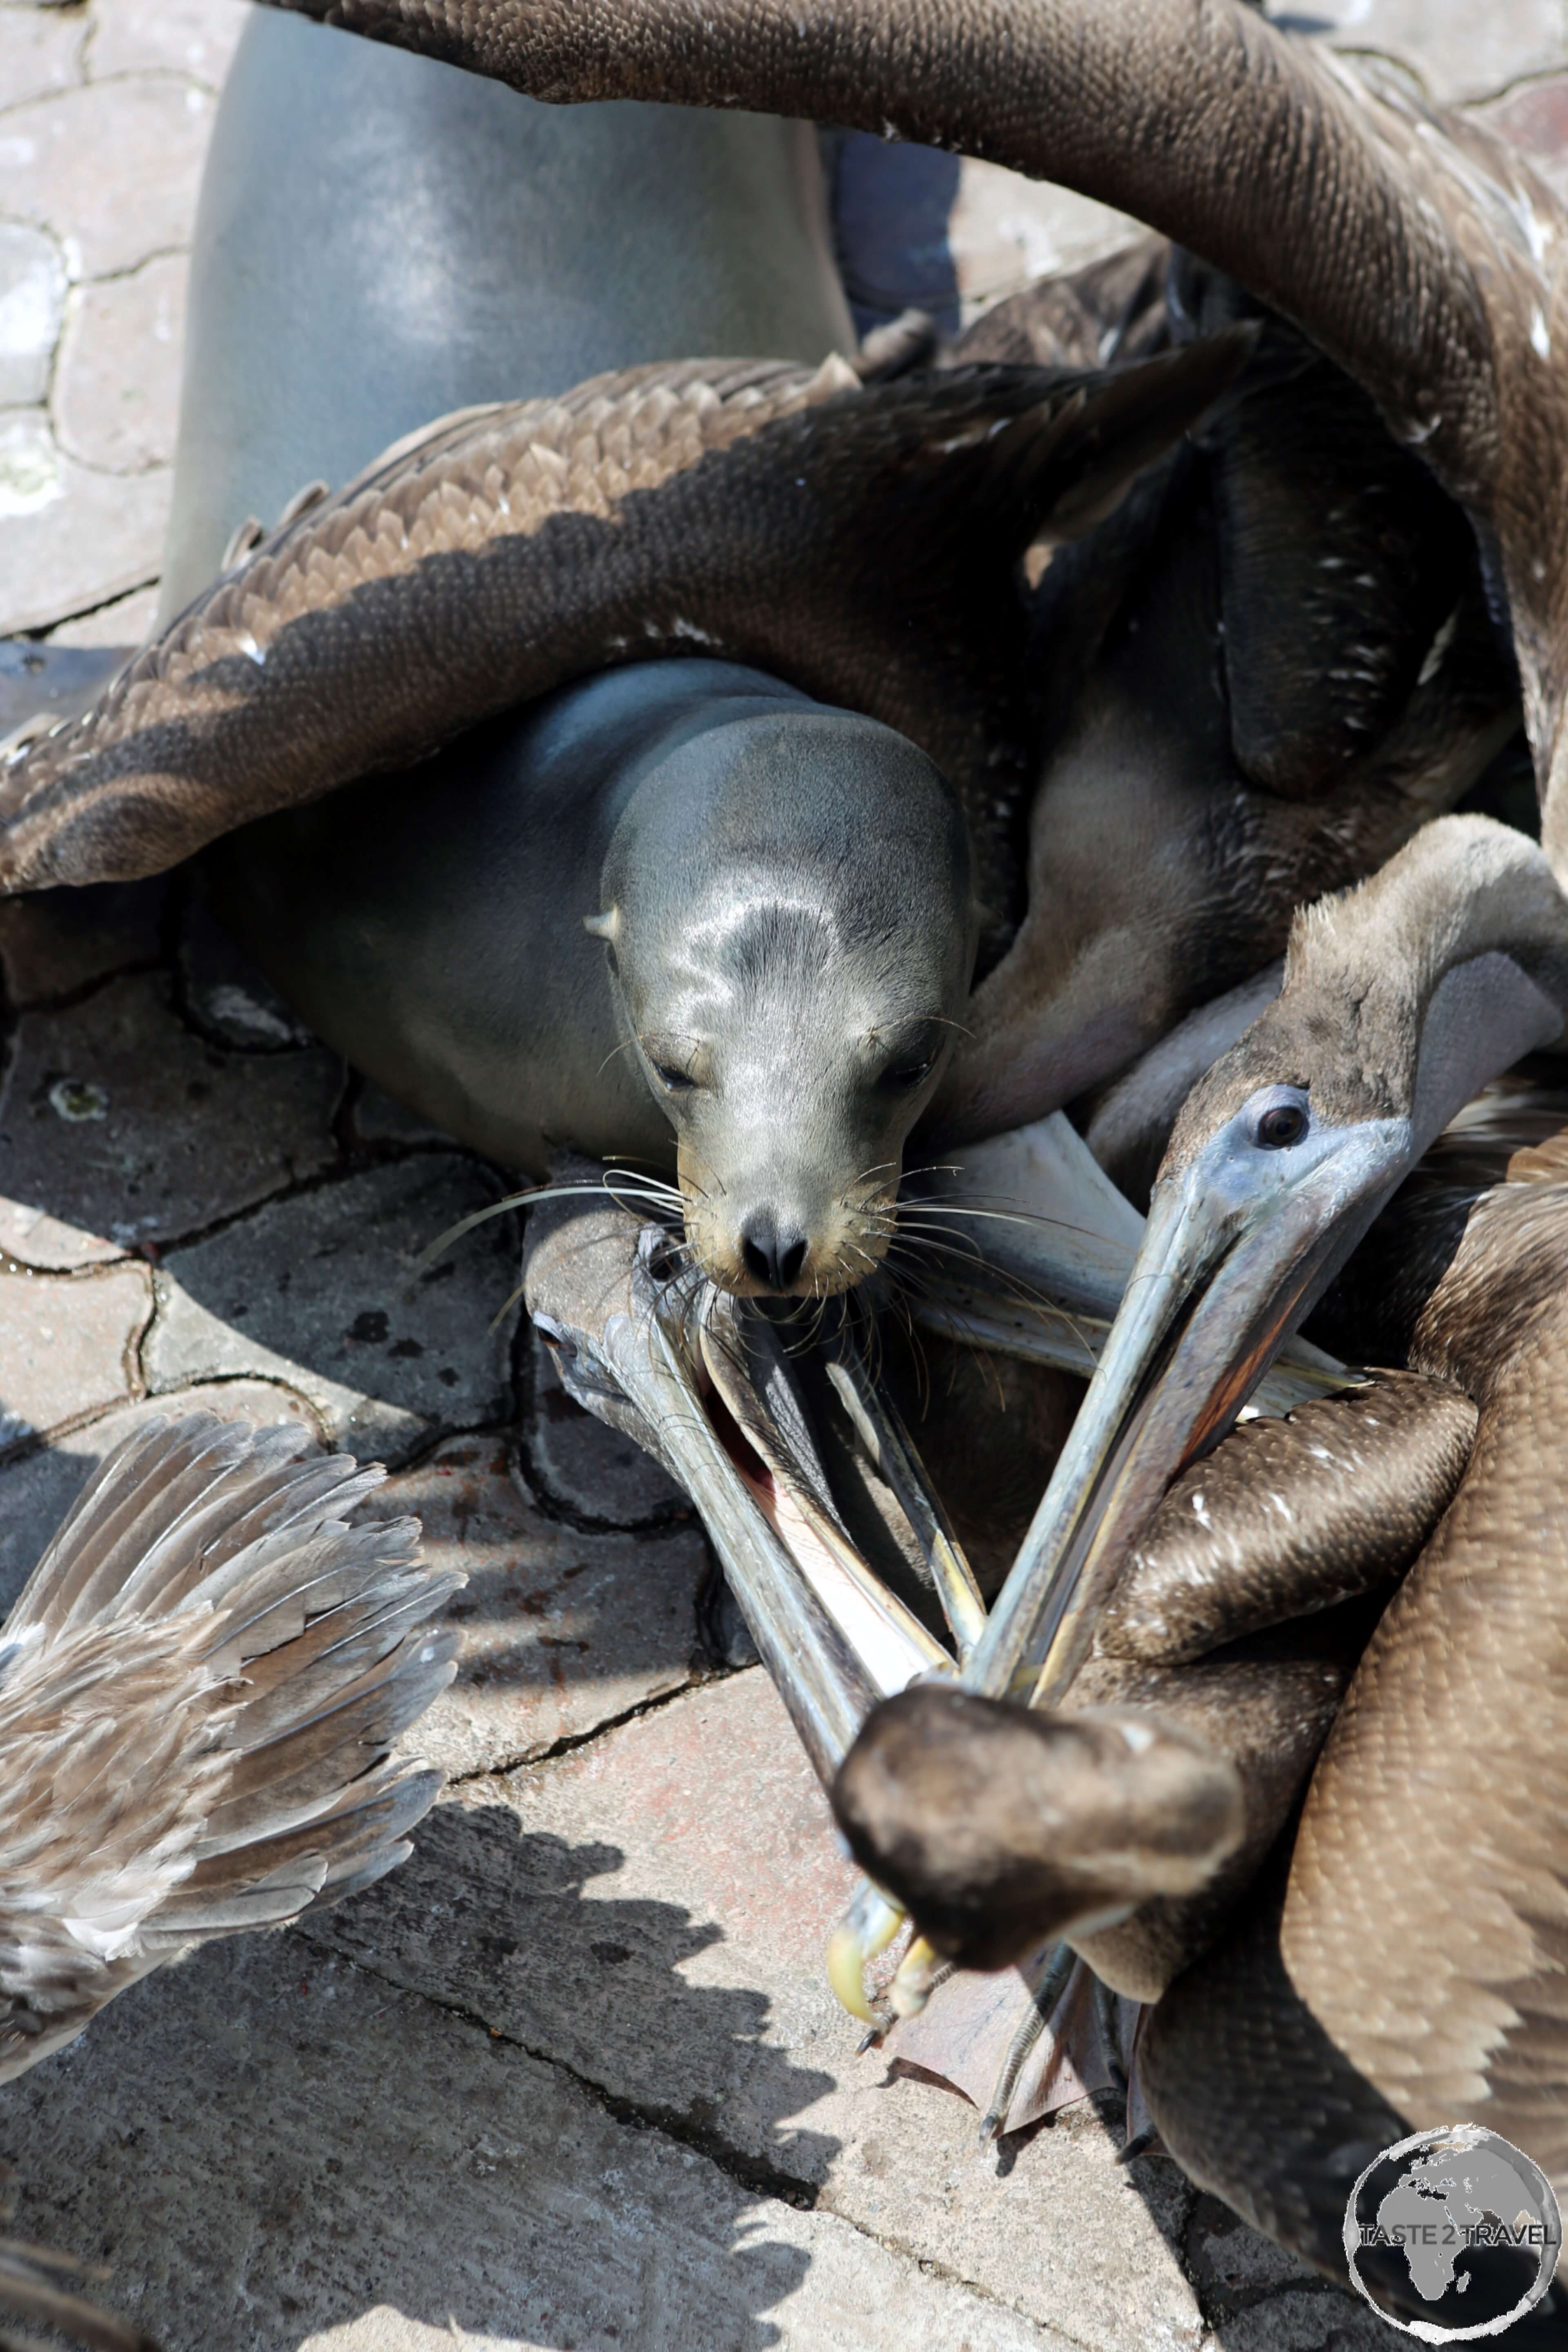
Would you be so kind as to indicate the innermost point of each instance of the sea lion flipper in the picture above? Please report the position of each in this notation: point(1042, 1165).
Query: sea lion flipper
point(766, 512)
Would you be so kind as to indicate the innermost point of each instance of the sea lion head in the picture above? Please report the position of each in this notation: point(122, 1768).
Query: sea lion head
point(787, 906)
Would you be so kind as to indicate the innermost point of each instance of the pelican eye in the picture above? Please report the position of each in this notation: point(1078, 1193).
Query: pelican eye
point(1280, 1126)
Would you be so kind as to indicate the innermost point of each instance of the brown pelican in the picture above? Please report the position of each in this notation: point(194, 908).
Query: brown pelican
point(199, 1690)
point(1416, 250)
point(1408, 1970)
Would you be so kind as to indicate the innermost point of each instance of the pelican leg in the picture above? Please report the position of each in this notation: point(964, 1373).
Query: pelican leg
point(1043, 2002)
point(869, 1925)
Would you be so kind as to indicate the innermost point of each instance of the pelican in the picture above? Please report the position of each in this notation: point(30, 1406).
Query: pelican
point(1403, 1967)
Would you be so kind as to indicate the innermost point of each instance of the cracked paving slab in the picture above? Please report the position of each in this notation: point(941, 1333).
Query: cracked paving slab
point(651, 1911)
point(320, 1290)
point(73, 537)
point(562, 1633)
point(117, 374)
point(120, 1128)
point(276, 2151)
point(40, 52)
point(32, 304)
point(67, 1346)
point(69, 161)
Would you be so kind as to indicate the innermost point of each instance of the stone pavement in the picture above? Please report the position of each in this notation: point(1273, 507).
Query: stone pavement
point(572, 2077)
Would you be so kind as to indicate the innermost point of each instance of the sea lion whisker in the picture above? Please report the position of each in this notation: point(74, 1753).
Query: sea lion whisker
point(443, 1242)
point(1011, 1285)
point(999, 1216)
point(502, 1311)
point(628, 1172)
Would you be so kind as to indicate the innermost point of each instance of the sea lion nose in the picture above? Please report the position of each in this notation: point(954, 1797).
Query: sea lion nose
point(773, 1248)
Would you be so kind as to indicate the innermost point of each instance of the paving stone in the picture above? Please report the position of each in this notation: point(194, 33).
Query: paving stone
point(74, 538)
point(67, 1344)
point(126, 622)
point(193, 37)
point(1535, 117)
point(32, 303)
point(53, 943)
point(1004, 230)
point(562, 1633)
point(37, 1489)
point(582, 1466)
point(1458, 50)
point(605, 1907)
point(320, 1291)
point(116, 401)
point(273, 2151)
point(41, 50)
point(120, 1128)
point(1318, 2318)
point(111, 168)
point(39, 679)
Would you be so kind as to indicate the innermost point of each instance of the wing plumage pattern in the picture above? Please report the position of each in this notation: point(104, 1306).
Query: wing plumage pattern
point(199, 1691)
point(858, 539)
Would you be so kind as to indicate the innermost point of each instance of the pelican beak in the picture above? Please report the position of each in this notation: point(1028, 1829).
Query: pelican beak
point(1239, 1245)
point(701, 1381)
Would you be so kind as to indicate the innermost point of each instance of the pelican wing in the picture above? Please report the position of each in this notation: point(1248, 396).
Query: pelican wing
point(1415, 248)
point(858, 540)
point(199, 1689)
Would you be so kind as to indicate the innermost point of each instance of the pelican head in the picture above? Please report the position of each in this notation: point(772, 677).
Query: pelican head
point(1402, 997)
